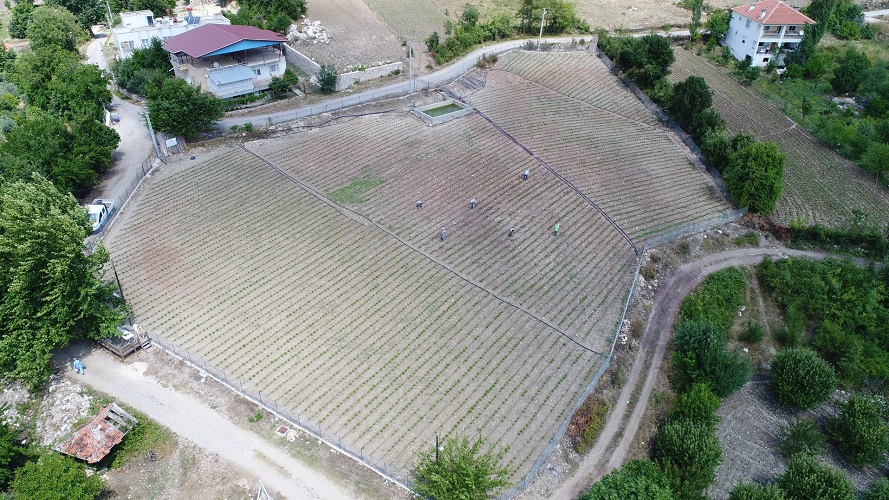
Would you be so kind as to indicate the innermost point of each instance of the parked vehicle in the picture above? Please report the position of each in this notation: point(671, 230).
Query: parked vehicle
point(99, 212)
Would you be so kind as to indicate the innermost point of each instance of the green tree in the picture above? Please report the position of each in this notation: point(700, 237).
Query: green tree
point(689, 453)
point(850, 73)
point(718, 22)
point(327, 78)
point(801, 379)
point(281, 84)
point(34, 71)
point(689, 98)
point(157, 7)
point(697, 8)
point(876, 160)
point(12, 454)
point(701, 357)
point(460, 470)
point(54, 27)
point(51, 290)
point(802, 436)
point(146, 68)
point(878, 490)
point(698, 404)
point(820, 11)
point(806, 479)
point(646, 60)
point(78, 90)
point(54, 477)
point(753, 491)
point(21, 18)
point(87, 12)
point(181, 109)
point(860, 431)
point(755, 177)
point(639, 479)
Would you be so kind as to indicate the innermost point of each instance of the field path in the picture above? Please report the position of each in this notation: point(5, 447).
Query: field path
point(193, 420)
point(606, 456)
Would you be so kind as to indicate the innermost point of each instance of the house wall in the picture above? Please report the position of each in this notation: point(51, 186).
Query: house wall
point(743, 37)
point(200, 76)
point(129, 38)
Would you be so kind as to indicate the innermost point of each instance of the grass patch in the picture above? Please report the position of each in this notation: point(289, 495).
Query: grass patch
point(588, 423)
point(148, 439)
point(752, 333)
point(356, 189)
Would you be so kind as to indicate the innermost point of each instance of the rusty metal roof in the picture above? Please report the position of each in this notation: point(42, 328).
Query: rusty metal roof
point(92, 441)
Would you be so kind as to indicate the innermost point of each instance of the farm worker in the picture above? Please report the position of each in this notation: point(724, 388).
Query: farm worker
point(442, 234)
point(511, 231)
point(525, 175)
point(419, 203)
point(472, 203)
point(556, 230)
point(78, 366)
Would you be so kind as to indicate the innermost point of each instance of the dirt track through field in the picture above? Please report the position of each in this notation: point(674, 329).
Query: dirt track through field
point(606, 456)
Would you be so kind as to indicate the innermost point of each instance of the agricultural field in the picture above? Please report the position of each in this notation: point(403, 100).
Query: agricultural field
point(301, 267)
point(820, 186)
point(583, 123)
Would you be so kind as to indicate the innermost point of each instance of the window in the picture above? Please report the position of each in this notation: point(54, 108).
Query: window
point(765, 59)
point(791, 28)
point(127, 45)
point(273, 68)
point(748, 24)
point(258, 71)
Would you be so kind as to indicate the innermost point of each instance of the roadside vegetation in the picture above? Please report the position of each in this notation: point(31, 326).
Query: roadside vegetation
point(460, 468)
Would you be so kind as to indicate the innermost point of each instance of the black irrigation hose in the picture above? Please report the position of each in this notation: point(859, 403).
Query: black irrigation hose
point(563, 179)
point(350, 116)
point(352, 214)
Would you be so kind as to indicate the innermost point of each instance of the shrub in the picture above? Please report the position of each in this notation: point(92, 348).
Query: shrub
point(54, 476)
point(878, 490)
point(698, 404)
point(802, 436)
point(755, 177)
point(327, 77)
point(690, 97)
point(801, 379)
point(717, 299)
point(753, 491)
point(701, 357)
point(752, 333)
point(689, 453)
point(636, 480)
point(806, 479)
point(860, 432)
point(460, 470)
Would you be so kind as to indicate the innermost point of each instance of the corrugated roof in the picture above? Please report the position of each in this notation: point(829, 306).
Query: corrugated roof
point(91, 442)
point(212, 37)
point(772, 12)
point(231, 74)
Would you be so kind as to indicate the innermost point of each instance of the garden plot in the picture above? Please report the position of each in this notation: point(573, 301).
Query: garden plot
point(372, 328)
point(634, 170)
point(820, 186)
point(412, 19)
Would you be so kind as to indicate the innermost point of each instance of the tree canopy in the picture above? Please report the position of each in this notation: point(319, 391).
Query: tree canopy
point(461, 470)
point(806, 479)
point(690, 97)
point(755, 177)
point(55, 477)
point(179, 108)
point(860, 431)
point(52, 26)
point(50, 288)
point(87, 12)
point(639, 479)
point(801, 379)
point(146, 68)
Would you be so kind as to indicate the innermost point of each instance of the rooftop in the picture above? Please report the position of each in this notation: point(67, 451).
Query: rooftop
point(210, 38)
point(772, 12)
point(92, 441)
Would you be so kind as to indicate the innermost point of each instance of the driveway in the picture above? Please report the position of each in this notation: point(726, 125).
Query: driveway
point(193, 420)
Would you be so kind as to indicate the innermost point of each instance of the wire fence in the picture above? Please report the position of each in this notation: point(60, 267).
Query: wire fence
point(668, 122)
point(701, 225)
point(120, 202)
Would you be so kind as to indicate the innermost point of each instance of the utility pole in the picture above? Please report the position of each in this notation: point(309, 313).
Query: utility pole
point(410, 65)
point(157, 151)
point(542, 19)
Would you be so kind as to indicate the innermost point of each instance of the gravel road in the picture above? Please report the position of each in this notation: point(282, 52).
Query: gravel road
point(193, 420)
point(601, 460)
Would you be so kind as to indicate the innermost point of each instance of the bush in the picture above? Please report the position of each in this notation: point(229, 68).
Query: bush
point(802, 436)
point(801, 379)
point(636, 480)
point(806, 479)
point(460, 470)
point(752, 333)
point(860, 432)
point(849, 74)
point(55, 477)
point(327, 77)
point(878, 490)
point(755, 177)
point(690, 97)
point(717, 299)
point(689, 453)
point(698, 404)
point(753, 491)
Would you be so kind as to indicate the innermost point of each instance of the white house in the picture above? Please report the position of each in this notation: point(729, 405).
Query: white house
point(138, 28)
point(763, 31)
point(227, 61)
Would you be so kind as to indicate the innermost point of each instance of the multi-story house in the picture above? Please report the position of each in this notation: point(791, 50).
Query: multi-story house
point(765, 31)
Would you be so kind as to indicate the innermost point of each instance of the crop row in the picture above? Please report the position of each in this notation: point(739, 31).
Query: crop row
point(819, 185)
point(339, 322)
point(411, 19)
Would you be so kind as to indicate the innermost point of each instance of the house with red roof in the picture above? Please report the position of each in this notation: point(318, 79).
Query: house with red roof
point(227, 60)
point(765, 31)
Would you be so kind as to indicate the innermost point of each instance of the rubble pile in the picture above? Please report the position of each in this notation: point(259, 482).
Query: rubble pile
point(308, 32)
point(63, 405)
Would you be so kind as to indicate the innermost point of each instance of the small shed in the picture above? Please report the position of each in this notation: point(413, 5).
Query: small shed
point(92, 441)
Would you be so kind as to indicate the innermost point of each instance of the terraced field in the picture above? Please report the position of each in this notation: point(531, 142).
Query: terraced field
point(601, 138)
point(820, 186)
point(302, 268)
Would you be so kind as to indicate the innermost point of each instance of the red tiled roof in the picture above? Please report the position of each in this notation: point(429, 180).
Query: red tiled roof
point(92, 441)
point(212, 37)
point(776, 12)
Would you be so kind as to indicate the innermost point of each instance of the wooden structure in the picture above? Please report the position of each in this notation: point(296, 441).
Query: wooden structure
point(92, 441)
point(128, 342)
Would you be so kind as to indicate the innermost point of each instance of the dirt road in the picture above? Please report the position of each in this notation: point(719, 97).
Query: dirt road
point(193, 420)
point(605, 455)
